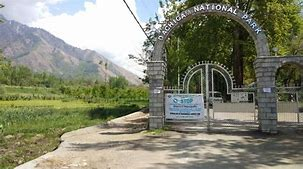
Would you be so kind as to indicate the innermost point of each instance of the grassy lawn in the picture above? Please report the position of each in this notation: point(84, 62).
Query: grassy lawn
point(29, 129)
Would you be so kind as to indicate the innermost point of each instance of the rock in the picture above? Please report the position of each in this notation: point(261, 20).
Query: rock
point(9, 137)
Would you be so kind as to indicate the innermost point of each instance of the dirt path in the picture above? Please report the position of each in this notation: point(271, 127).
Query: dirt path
point(116, 147)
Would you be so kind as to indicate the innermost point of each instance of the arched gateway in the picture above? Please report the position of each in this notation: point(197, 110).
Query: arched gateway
point(227, 11)
point(157, 66)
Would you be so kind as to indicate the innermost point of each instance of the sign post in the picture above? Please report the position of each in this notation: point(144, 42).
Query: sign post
point(184, 107)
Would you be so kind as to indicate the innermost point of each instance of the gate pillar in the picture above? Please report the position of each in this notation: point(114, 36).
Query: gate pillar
point(265, 68)
point(156, 73)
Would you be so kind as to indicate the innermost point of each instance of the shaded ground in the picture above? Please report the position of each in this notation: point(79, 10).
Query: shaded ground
point(117, 147)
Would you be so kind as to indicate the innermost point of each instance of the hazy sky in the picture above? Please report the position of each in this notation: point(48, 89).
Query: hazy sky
point(102, 25)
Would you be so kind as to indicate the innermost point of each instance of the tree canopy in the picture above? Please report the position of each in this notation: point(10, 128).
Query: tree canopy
point(217, 38)
point(118, 82)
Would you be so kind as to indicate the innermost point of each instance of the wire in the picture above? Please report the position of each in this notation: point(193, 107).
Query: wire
point(138, 22)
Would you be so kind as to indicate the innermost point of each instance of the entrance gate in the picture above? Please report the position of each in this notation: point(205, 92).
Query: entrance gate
point(265, 65)
point(289, 106)
point(236, 107)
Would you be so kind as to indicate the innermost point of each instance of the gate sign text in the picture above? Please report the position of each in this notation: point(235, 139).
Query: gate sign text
point(239, 97)
point(184, 106)
point(206, 8)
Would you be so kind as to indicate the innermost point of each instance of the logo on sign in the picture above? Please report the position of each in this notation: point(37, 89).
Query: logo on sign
point(183, 100)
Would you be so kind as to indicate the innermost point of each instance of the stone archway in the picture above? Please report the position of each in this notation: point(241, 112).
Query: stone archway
point(266, 68)
point(225, 10)
point(156, 68)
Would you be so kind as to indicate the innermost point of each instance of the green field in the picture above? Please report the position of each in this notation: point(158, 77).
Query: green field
point(58, 104)
point(29, 129)
point(32, 118)
point(29, 90)
point(29, 93)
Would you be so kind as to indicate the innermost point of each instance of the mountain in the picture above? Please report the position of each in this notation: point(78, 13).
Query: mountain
point(43, 52)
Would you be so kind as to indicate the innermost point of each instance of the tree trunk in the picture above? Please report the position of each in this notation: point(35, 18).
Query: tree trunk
point(237, 55)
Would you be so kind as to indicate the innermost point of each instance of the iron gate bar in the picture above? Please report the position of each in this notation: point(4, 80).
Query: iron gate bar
point(207, 70)
point(289, 110)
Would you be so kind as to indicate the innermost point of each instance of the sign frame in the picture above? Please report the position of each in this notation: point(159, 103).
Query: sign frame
point(184, 107)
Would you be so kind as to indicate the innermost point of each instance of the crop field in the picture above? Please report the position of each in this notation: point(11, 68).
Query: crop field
point(58, 104)
point(31, 128)
point(29, 90)
point(33, 118)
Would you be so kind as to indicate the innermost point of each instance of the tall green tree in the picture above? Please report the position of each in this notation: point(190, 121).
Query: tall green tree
point(296, 43)
point(118, 82)
point(289, 75)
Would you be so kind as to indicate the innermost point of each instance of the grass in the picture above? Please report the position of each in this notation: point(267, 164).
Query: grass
point(29, 129)
point(69, 103)
point(157, 132)
point(29, 93)
point(29, 90)
point(57, 104)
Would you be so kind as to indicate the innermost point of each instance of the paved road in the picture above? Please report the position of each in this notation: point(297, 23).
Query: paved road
point(100, 147)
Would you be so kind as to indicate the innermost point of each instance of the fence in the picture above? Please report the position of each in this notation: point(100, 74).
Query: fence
point(289, 105)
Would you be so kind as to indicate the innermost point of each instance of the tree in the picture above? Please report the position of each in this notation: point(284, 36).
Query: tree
point(289, 75)
point(1, 6)
point(221, 39)
point(296, 43)
point(118, 82)
point(5, 69)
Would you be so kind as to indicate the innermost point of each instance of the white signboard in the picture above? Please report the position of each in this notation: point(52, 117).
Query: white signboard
point(267, 90)
point(239, 97)
point(184, 106)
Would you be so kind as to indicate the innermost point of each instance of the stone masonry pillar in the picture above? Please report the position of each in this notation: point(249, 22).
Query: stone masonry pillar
point(156, 73)
point(266, 94)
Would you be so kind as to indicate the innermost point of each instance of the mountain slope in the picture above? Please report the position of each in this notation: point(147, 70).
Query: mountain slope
point(41, 51)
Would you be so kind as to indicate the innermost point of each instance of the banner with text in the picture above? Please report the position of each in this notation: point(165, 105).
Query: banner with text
point(184, 106)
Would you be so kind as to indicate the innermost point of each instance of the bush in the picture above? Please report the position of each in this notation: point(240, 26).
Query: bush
point(109, 113)
point(2, 90)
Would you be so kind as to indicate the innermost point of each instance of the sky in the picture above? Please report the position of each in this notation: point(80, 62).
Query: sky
point(102, 25)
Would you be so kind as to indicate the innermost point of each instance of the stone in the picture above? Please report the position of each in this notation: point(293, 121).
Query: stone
point(8, 137)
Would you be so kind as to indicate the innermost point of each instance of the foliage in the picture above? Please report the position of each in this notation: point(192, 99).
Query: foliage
point(37, 108)
point(56, 104)
point(118, 82)
point(220, 39)
point(19, 75)
point(30, 85)
point(29, 132)
point(105, 92)
point(289, 75)
point(33, 118)
point(23, 76)
point(296, 43)
point(2, 90)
